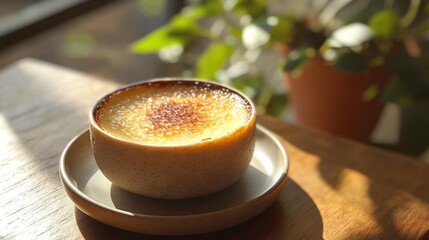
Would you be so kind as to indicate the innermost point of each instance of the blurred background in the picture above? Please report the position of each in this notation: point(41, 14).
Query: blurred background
point(356, 69)
point(87, 35)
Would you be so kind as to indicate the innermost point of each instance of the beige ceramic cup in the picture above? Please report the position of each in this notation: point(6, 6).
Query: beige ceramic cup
point(176, 171)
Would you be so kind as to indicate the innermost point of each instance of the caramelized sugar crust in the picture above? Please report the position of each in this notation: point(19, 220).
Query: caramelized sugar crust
point(173, 113)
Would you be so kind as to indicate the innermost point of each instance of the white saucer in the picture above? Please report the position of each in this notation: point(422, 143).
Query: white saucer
point(96, 196)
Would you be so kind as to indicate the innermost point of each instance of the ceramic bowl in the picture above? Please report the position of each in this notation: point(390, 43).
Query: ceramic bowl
point(176, 171)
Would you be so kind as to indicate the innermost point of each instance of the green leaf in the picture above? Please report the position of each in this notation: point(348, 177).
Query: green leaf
point(254, 8)
point(157, 40)
point(178, 31)
point(296, 59)
point(195, 12)
point(183, 24)
point(277, 104)
point(247, 81)
point(204, 9)
point(212, 60)
point(350, 61)
point(384, 23)
point(282, 30)
point(396, 91)
point(370, 93)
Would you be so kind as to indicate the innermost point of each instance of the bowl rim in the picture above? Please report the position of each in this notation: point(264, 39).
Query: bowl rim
point(251, 123)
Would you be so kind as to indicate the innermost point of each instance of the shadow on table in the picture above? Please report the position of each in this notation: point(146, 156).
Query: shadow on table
point(336, 167)
point(293, 215)
point(381, 202)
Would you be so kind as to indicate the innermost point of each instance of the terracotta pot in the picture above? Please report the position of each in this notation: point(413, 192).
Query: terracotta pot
point(332, 100)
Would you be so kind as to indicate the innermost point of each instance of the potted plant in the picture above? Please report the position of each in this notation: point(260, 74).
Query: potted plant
point(346, 55)
point(337, 72)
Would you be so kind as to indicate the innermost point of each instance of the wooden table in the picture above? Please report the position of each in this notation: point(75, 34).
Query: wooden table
point(338, 189)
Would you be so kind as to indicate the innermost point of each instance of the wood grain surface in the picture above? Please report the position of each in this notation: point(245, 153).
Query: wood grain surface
point(337, 189)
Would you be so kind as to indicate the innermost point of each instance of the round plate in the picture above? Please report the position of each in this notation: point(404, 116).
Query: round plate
point(96, 196)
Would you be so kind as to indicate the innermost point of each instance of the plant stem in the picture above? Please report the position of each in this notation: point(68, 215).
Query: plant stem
point(411, 13)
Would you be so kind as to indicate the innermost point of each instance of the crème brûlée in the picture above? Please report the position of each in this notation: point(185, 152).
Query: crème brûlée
point(173, 114)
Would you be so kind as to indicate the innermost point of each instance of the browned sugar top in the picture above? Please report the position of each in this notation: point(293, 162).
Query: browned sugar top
point(173, 115)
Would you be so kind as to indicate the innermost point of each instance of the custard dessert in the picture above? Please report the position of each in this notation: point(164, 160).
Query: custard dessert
point(167, 114)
